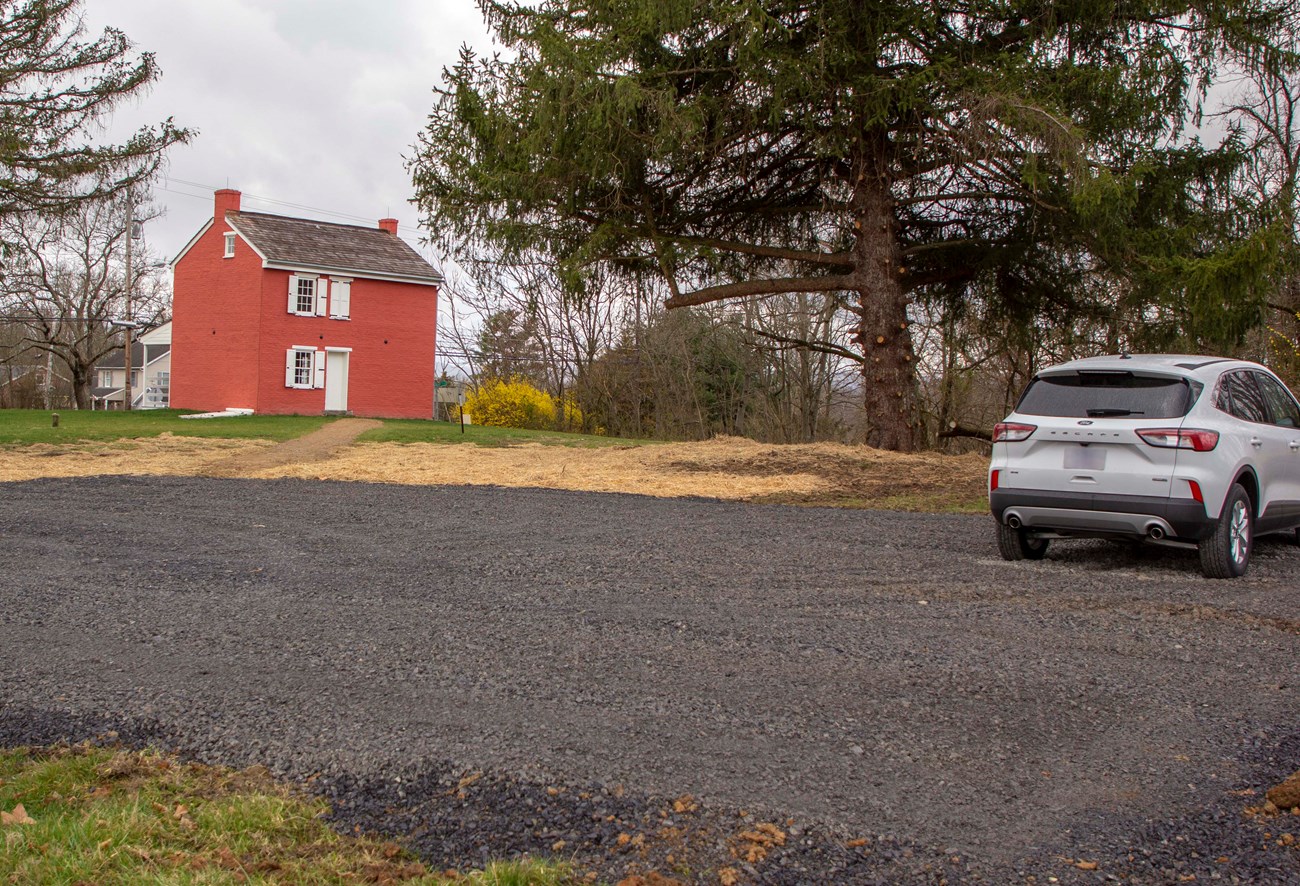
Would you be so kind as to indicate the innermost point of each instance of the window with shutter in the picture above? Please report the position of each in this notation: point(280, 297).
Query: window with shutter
point(341, 299)
point(300, 367)
point(302, 295)
point(322, 293)
point(230, 245)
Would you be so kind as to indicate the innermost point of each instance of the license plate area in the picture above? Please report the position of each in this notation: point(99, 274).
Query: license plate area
point(1085, 458)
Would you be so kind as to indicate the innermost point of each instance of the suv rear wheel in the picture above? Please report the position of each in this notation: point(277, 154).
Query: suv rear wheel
point(1226, 553)
point(1015, 544)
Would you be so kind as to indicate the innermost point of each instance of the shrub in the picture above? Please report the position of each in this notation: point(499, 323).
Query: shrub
point(514, 403)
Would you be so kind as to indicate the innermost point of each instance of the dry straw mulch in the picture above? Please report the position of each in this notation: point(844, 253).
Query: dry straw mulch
point(725, 467)
point(164, 454)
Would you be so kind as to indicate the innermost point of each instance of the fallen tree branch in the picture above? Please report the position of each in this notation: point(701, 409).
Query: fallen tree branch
point(956, 430)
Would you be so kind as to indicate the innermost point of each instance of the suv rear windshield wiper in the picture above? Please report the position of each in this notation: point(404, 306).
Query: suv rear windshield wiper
point(1100, 413)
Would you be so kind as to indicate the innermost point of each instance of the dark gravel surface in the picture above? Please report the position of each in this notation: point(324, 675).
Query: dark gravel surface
point(494, 671)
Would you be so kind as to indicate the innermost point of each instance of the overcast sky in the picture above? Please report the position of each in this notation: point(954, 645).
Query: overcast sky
point(312, 103)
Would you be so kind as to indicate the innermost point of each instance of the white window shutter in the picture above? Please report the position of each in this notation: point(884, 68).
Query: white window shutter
point(322, 292)
point(293, 293)
point(289, 369)
point(341, 299)
point(319, 360)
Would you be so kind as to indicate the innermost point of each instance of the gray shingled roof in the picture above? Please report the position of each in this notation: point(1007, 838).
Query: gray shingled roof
point(116, 358)
point(306, 243)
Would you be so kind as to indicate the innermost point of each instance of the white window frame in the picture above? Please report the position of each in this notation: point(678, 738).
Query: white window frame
point(298, 297)
point(106, 378)
point(301, 367)
point(230, 245)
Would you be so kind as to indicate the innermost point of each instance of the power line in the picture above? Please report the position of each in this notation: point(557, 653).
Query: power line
point(271, 200)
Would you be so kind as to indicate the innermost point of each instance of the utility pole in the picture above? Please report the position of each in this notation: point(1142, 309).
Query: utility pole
point(636, 360)
point(130, 235)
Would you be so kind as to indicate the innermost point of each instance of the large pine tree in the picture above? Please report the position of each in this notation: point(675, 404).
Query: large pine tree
point(57, 89)
point(885, 149)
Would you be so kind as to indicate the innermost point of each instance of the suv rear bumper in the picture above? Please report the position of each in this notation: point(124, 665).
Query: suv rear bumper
point(1090, 514)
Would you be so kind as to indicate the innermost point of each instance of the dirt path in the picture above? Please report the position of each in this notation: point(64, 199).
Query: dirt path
point(317, 446)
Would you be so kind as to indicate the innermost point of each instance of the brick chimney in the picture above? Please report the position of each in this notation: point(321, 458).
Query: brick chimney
point(226, 200)
point(389, 225)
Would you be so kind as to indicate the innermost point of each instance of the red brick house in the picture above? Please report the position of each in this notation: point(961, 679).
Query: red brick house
point(293, 316)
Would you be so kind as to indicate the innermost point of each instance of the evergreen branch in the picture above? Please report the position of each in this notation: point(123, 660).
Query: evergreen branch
point(947, 275)
point(942, 244)
point(834, 259)
point(767, 286)
point(669, 275)
point(959, 195)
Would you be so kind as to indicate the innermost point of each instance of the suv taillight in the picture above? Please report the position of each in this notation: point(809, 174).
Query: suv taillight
point(1012, 432)
point(1180, 438)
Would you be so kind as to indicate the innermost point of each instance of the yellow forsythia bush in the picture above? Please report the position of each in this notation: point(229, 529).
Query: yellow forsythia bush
point(514, 403)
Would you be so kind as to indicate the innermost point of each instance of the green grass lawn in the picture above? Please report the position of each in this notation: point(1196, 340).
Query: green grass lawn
point(90, 815)
point(414, 431)
point(23, 426)
point(26, 426)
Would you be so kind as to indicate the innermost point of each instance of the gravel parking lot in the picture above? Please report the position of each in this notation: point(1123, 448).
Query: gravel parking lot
point(493, 670)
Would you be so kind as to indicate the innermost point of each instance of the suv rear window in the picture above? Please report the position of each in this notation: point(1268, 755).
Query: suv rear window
point(1108, 395)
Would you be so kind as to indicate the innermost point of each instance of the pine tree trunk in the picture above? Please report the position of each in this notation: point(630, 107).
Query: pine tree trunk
point(889, 374)
point(889, 367)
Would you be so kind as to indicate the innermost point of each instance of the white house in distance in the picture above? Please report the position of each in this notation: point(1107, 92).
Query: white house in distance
point(151, 373)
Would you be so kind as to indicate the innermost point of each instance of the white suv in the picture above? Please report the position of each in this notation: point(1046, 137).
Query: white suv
point(1173, 449)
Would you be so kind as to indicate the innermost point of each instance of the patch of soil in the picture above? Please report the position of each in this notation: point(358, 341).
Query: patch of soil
point(852, 475)
point(1287, 794)
point(317, 446)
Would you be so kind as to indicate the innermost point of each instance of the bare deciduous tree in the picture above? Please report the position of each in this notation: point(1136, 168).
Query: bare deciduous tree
point(65, 283)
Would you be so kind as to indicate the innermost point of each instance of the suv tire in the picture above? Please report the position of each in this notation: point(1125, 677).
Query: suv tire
point(1015, 544)
point(1226, 553)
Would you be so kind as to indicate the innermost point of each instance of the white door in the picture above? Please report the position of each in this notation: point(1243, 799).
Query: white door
point(336, 381)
